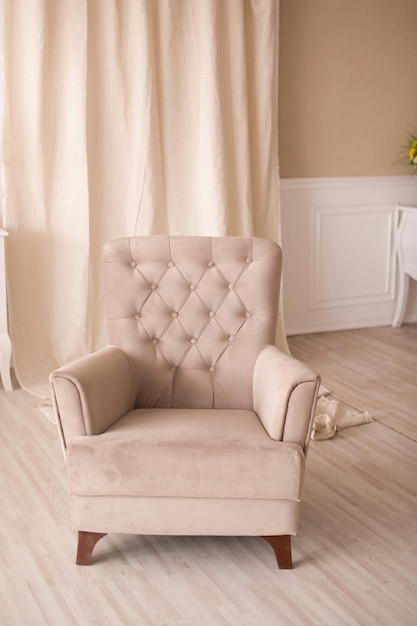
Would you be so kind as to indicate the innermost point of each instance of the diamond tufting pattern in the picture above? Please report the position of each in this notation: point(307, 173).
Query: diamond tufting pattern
point(192, 314)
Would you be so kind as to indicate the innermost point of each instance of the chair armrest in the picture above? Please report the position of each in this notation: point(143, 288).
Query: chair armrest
point(92, 393)
point(284, 396)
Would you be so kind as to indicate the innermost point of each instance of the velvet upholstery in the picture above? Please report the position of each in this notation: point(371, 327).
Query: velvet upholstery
point(202, 453)
point(190, 421)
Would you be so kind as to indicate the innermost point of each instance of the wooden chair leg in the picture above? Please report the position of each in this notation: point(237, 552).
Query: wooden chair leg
point(281, 545)
point(86, 543)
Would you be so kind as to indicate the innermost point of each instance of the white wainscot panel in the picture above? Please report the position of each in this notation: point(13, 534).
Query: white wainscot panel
point(339, 266)
point(352, 256)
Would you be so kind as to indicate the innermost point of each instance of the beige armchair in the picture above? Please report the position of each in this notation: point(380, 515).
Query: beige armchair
point(190, 422)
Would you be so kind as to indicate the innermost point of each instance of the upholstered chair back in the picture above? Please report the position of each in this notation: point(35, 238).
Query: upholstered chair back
point(191, 314)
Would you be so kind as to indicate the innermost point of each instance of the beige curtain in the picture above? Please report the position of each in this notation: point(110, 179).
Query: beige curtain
point(124, 117)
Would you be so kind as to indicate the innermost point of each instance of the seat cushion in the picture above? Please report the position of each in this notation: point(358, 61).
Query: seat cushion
point(204, 453)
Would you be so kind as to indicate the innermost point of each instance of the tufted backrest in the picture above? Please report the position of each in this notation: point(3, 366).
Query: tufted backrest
point(192, 314)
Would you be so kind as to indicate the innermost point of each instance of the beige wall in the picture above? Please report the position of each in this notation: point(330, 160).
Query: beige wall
point(348, 86)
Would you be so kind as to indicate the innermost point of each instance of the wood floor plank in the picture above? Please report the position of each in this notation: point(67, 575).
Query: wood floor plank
point(373, 369)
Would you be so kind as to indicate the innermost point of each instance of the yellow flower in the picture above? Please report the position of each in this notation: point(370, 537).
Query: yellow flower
point(409, 156)
point(412, 153)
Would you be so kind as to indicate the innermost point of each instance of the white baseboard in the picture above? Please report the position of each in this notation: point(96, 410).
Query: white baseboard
point(329, 327)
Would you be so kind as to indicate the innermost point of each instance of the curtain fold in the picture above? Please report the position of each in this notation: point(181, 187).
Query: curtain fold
point(124, 117)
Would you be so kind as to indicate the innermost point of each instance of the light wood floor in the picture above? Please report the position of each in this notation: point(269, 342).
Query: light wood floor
point(355, 554)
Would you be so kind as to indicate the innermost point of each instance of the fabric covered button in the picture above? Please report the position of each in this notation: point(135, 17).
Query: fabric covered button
point(248, 260)
point(155, 341)
point(154, 287)
point(230, 286)
point(137, 316)
point(133, 264)
point(174, 314)
point(192, 287)
point(230, 339)
point(212, 313)
point(211, 368)
point(171, 264)
point(210, 264)
point(193, 340)
point(247, 314)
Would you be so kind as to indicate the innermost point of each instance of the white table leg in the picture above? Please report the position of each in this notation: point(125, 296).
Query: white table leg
point(404, 281)
point(6, 357)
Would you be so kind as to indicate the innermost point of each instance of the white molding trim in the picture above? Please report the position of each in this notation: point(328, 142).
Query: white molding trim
point(348, 182)
point(377, 291)
point(338, 237)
